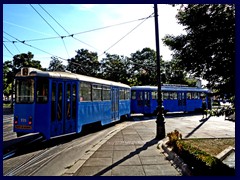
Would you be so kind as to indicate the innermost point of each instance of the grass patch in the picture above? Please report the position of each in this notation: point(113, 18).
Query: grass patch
point(199, 154)
point(211, 146)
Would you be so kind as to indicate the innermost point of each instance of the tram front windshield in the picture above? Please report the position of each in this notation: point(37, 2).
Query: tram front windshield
point(24, 91)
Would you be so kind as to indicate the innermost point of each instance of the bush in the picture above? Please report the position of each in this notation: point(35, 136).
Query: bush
point(200, 162)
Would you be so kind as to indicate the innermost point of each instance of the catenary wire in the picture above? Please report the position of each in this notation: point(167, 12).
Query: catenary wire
point(8, 49)
point(69, 35)
point(72, 35)
point(13, 44)
point(51, 28)
point(23, 42)
point(127, 34)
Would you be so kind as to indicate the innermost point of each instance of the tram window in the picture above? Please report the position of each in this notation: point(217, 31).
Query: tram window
point(74, 100)
point(85, 91)
point(154, 95)
point(147, 98)
point(106, 93)
point(59, 114)
point(165, 95)
point(24, 91)
point(133, 94)
point(53, 110)
point(195, 95)
point(140, 98)
point(121, 91)
point(189, 95)
point(42, 90)
point(127, 94)
point(173, 95)
point(140, 95)
point(96, 93)
point(68, 99)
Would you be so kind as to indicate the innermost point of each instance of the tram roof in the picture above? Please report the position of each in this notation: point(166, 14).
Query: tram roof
point(69, 75)
point(171, 88)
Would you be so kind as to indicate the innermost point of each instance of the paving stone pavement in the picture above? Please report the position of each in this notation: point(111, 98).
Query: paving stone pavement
point(133, 150)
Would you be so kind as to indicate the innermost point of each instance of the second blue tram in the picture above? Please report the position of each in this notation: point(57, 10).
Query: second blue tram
point(59, 103)
point(175, 98)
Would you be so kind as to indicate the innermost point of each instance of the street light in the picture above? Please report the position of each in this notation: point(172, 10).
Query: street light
point(160, 134)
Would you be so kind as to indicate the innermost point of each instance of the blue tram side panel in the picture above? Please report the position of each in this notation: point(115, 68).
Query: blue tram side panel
point(176, 98)
point(59, 103)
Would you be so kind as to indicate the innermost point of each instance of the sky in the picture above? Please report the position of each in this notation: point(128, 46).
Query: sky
point(119, 29)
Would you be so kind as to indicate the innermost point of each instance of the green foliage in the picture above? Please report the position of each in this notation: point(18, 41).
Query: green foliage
point(201, 162)
point(115, 68)
point(173, 74)
point(10, 68)
point(56, 65)
point(199, 154)
point(221, 111)
point(208, 48)
point(143, 67)
point(85, 63)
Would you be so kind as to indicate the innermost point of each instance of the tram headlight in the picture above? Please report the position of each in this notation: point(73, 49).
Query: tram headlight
point(15, 119)
point(30, 120)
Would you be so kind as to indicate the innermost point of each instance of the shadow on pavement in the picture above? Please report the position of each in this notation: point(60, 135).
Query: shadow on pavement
point(137, 151)
point(202, 122)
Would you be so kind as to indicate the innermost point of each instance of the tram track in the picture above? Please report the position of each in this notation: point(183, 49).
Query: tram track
point(37, 162)
point(30, 163)
point(15, 147)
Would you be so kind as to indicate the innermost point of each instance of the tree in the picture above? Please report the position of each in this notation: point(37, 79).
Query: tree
point(143, 67)
point(25, 60)
point(85, 63)
point(14, 66)
point(7, 78)
point(115, 68)
point(208, 48)
point(173, 74)
point(56, 65)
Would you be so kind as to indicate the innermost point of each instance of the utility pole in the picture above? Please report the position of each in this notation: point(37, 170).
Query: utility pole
point(160, 118)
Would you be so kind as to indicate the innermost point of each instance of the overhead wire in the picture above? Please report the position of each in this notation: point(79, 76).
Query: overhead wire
point(52, 29)
point(72, 35)
point(96, 29)
point(13, 44)
point(62, 28)
point(23, 42)
point(127, 33)
point(105, 27)
point(8, 49)
point(69, 35)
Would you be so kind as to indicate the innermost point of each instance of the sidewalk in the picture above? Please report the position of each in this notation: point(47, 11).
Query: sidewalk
point(133, 150)
point(130, 152)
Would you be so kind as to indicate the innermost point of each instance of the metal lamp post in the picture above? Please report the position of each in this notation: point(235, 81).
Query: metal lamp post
point(160, 134)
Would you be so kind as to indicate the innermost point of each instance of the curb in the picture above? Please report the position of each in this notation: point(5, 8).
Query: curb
point(70, 171)
point(179, 163)
point(222, 155)
point(174, 158)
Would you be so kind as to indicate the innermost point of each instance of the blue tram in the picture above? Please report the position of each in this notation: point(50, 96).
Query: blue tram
point(176, 98)
point(59, 103)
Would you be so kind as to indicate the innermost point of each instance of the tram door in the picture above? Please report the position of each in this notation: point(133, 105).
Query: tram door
point(63, 108)
point(181, 101)
point(115, 103)
point(143, 102)
point(70, 105)
point(140, 101)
